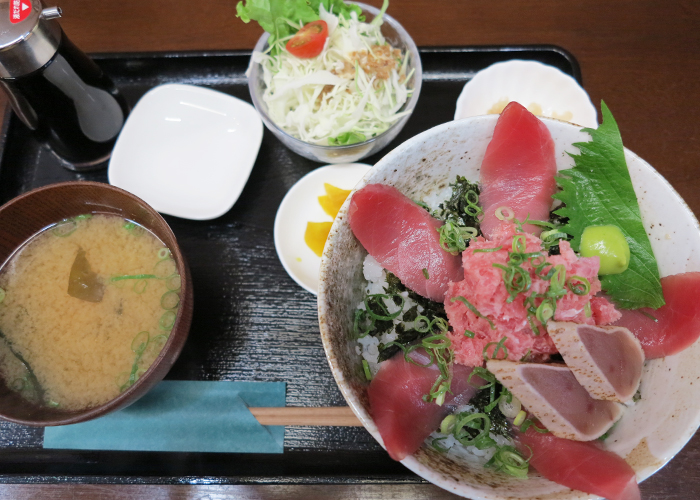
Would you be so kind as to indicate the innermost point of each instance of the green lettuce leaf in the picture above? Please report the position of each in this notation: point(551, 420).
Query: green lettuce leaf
point(598, 191)
point(347, 138)
point(279, 17)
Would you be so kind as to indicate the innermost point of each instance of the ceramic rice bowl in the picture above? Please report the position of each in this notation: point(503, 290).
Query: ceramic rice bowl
point(649, 434)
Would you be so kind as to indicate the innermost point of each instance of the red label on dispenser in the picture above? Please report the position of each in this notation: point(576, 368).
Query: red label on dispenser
point(19, 10)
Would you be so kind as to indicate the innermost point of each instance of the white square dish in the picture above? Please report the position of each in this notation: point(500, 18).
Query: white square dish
point(187, 151)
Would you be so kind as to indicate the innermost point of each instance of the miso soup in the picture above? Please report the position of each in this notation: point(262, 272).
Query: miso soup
point(86, 307)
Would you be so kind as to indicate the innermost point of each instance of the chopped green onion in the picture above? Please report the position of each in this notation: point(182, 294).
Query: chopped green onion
point(529, 423)
point(65, 228)
point(436, 444)
point(473, 309)
point(485, 250)
point(132, 277)
point(489, 377)
point(579, 285)
point(18, 384)
point(469, 333)
point(504, 213)
point(643, 312)
point(361, 317)
point(422, 204)
point(425, 273)
point(453, 237)
point(158, 341)
point(519, 243)
point(163, 253)
point(173, 282)
point(509, 460)
point(500, 345)
point(533, 326)
point(140, 286)
point(536, 222)
point(545, 311)
point(509, 406)
point(376, 300)
point(587, 310)
point(365, 367)
point(167, 320)
point(527, 354)
point(424, 320)
point(82, 217)
point(472, 208)
point(170, 300)
point(520, 418)
point(463, 436)
point(448, 423)
point(165, 267)
point(138, 345)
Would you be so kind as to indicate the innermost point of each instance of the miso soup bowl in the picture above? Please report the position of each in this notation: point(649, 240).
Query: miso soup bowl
point(650, 433)
point(26, 215)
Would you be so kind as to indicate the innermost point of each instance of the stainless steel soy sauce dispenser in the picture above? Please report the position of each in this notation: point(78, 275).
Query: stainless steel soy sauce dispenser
point(55, 89)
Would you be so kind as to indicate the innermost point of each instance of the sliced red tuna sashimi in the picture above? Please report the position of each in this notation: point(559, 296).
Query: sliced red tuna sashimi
point(606, 360)
point(518, 170)
point(403, 238)
point(670, 328)
point(554, 396)
point(396, 393)
point(580, 466)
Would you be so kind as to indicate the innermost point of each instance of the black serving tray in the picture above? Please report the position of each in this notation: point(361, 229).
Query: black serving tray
point(251, 321)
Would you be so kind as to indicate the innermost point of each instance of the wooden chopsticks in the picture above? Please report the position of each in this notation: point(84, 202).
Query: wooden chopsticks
point(289, 415)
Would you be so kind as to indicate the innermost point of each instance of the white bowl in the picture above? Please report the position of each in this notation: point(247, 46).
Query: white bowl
point(299, 206)
point(528, 82)
point(649, 434)
point(187, 151)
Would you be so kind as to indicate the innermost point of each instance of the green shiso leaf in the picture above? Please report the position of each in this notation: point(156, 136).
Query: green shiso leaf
point(599, 191)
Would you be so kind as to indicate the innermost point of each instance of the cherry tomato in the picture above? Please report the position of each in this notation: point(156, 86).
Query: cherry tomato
point(309, 40)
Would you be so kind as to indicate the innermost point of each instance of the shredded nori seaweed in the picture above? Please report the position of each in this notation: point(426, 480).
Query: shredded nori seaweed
point(499, 423)
point(405, 337)
point(454, 208)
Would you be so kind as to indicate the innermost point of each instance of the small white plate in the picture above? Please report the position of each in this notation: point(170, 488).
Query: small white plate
point(299, 206)
point(187, 151)
point(528, 82)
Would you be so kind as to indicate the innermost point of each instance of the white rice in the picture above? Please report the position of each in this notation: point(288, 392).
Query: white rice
point(376, 283)
point(368, 348)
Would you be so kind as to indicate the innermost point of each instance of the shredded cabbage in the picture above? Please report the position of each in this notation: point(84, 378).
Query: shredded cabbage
point(353, 90)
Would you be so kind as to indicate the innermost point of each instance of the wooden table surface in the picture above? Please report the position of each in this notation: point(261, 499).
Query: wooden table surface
point(641, 56)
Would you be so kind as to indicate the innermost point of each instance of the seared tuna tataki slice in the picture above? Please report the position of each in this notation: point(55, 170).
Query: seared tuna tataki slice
point(554, 396)
point(606, 360)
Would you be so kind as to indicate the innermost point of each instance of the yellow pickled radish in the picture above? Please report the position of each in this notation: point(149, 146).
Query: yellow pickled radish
point(316, 235)
point(333, 199)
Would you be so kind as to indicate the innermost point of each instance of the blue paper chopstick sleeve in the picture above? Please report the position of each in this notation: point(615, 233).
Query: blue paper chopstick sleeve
point(183, 416)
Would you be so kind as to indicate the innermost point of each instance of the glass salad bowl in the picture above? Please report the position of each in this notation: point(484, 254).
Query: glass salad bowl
point(398, 38)
point(651, 431)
